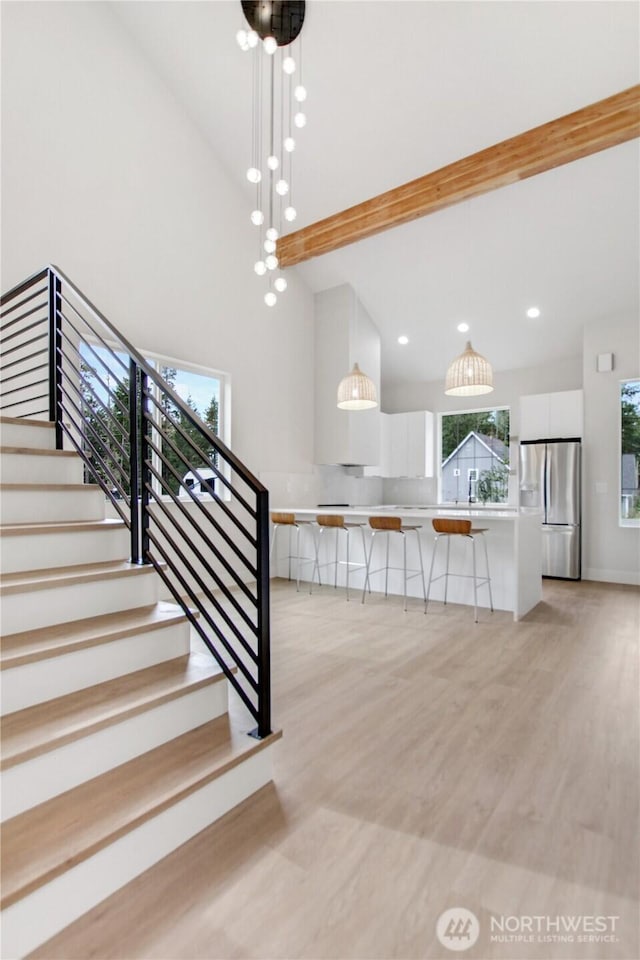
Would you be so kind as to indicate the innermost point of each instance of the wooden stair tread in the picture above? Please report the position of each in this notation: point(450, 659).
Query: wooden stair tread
point(87, 487)
point(49, 839)
point(38, 451)
point(30, 646)
point(60, 526)
point(50, 577)
point(36, 730)
point(28, 422)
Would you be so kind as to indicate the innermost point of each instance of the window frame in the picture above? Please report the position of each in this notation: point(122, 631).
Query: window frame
point(453, 413)
point(158, 360)
point(623, 521)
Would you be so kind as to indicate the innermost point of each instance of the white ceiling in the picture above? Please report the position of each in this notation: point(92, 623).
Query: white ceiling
point(397, 89)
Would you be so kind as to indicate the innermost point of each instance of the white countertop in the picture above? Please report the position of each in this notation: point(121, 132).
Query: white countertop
point(413, 512)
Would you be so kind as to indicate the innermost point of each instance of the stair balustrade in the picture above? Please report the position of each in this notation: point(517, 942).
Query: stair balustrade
point(63, 360)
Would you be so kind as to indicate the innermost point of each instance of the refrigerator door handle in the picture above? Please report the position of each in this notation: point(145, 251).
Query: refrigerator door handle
point(547, 483)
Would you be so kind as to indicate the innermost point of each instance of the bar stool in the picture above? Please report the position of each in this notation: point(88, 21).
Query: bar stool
point(287, 521)
point(329, 521)
point(389, 525)
point(449, 527)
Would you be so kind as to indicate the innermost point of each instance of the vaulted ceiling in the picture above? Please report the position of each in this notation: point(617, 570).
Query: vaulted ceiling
point(397, 89)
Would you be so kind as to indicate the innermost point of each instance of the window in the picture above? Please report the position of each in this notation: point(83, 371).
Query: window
point(630, 453)
point(474, 456)
point(105, 382)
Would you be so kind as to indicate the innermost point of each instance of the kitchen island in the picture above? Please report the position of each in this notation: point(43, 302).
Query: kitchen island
point(513, 540)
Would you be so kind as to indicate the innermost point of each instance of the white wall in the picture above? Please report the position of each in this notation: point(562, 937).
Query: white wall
point(609, 552)
point(509, 386)
point(344, 335)
point(104, 175)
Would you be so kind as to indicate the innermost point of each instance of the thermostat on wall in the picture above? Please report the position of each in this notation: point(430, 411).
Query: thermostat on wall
point(605, 363)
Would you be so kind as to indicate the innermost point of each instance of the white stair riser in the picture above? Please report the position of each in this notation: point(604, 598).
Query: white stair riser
point(31, 468)
point(32, 683)
point(34, 781)
point(27, 435)
point(42, 506)
point(31, 609)
point(39, 916)
point(41, 551)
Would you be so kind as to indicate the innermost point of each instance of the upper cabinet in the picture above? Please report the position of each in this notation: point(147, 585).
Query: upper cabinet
point(344, 335)
point(411, 444)
point(406, 445)
point(551, 415)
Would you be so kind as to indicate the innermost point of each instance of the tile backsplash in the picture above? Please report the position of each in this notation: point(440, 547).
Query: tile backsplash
point(338, 484)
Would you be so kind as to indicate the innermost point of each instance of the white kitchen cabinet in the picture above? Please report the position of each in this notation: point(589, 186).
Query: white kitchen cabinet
point(383, 467)
point(344, 335)
point(566, 418)
point(551, 415)
point(406, 445)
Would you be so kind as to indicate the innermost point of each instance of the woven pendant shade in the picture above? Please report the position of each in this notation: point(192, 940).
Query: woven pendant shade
point(357, 391)
point(469, 375)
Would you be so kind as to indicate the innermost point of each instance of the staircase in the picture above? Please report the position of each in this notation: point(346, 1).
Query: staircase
point(120, 741)
point(117, 746)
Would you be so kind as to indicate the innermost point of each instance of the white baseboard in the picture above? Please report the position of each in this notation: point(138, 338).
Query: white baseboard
point(629, 577)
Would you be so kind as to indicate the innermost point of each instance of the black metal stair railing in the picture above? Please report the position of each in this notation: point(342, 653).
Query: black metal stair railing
point(61, 359)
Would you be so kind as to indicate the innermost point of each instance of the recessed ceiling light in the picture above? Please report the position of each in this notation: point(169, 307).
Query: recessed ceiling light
point(533, 312)
point(463, 327)
point(403, 340)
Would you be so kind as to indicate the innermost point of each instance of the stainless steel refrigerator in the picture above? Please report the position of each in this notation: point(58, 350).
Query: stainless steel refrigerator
point(550, 481)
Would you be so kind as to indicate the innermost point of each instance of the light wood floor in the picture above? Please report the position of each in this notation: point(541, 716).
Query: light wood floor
point(426, 763)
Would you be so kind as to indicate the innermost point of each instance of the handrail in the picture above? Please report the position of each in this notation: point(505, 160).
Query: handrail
point(219, 446)
point(136, 437)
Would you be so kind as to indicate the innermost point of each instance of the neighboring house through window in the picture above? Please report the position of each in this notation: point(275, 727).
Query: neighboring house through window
point(474, 461)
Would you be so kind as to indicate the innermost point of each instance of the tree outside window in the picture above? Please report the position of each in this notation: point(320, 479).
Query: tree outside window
point(105, 402)
point(630, 450)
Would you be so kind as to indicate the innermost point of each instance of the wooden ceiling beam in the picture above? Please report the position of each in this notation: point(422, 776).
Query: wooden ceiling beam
point(593, 128)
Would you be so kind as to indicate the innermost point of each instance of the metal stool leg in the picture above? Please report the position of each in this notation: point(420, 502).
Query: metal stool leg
point(386, 572)
point(335, 578)
point(424, 593)
point(436, 541)
point(364, 554)
point(486, 557)
point(297, 559)
point(475, 579)
point(368, 559)
point(348, 538)
point(404, 557)
point(446, 573)
point(316, 554)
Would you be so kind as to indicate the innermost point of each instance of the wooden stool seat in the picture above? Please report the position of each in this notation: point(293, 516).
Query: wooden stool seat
point(336, 521)
point(388, 525)
point(449, 527)
point(283, 520)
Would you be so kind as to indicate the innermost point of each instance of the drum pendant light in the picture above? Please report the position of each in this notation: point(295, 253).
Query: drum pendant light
point(356, 391)
point(469, 375)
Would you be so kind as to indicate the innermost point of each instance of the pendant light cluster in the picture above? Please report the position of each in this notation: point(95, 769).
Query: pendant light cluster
point(469, 375)
point(278, 117)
